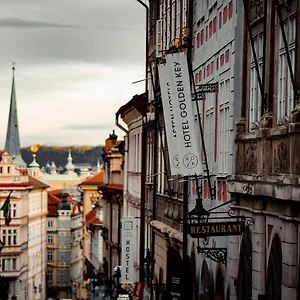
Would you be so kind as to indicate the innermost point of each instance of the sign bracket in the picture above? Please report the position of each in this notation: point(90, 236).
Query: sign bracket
point(218, 255)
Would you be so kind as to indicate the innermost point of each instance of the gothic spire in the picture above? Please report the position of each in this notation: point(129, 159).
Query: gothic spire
point(12, 144)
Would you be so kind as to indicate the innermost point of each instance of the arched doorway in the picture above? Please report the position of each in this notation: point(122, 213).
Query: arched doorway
point(195, 281)
point(274, 278)
point(205, 282)
point(244, 280)
point(174, 273)
point(220, 289)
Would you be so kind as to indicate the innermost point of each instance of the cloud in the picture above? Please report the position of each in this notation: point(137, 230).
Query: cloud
point(20, 23)
point(96, 126)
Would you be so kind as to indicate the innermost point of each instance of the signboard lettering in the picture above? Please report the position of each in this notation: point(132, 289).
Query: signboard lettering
point(207, 88)
point(128, 249)
point(199, 230)
point(180, 89)
point(169, 117)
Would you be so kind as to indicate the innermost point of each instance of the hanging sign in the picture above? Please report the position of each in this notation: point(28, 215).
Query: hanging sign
point(201, 230)
point(207, 88)
point(169, 117)
point(129, 238)
point(186, 137)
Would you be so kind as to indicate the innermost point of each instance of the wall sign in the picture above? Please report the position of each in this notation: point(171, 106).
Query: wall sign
point(200, 230)
point(129, 238)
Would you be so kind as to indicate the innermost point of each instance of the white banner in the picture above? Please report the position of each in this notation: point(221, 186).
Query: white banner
point(129, 244)
point(179, 79)
point(169, 116)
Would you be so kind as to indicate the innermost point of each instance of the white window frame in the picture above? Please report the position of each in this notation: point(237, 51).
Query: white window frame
point(255, 94)
point(224, 127)
point(285, 95)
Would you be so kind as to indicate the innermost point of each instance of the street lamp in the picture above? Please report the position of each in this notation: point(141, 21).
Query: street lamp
point(149, 264)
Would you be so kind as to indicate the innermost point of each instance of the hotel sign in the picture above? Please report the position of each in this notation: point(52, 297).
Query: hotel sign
point(201, 230)
point(186, 142)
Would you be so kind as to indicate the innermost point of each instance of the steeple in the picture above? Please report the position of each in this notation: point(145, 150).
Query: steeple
point(12, 144)
point(70, 166)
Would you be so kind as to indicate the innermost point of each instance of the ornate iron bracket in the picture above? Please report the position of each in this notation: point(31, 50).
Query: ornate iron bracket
point(218, 255)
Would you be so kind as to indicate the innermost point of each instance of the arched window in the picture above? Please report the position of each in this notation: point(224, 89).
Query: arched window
point(205, 282)
point(244, 280)
point(220, 290)
point(274, 279)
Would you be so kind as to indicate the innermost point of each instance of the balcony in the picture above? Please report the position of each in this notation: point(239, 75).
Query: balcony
point(267, 162)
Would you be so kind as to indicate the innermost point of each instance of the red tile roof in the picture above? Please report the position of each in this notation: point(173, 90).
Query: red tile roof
point(54, 198)
point(91, 217)
point(109, 144)
point(115, 186)
point(14, 185)
point(96, 179)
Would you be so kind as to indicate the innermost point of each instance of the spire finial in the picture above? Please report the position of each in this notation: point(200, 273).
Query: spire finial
point(13, 68)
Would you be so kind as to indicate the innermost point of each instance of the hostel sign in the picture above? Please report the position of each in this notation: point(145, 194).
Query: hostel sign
point(201, 230)
point(129, 238)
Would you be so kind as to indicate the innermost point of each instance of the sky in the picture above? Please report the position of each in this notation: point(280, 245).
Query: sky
point(75, 64)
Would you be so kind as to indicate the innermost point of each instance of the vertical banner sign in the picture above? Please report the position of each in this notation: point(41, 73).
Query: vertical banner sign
point(129, 238)
point(179, 80)
point(169, 116)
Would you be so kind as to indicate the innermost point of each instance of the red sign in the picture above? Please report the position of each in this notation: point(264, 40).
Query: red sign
point(138, 290)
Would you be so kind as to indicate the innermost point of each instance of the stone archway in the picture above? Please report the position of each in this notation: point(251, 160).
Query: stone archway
point(220, 285)
point(205, 282)
point(274, 279)
point(244, 280)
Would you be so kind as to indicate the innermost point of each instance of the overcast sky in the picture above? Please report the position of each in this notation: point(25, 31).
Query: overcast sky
point(75, 62)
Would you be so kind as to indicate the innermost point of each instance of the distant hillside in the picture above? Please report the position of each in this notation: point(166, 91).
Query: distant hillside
point(58, 154)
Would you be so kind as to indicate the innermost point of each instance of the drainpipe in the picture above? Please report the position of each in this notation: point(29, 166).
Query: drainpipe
point(144, 156)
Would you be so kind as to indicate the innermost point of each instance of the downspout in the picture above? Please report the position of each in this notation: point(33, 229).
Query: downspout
point(143, 157)
point(125, 207)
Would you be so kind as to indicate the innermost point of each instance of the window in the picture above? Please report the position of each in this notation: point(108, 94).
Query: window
point(255, 95)
point(225, 15)
point(8, 170)
point(214, 25)
point(198, 40)
point(230, 9)
point(49, 275)
point(50, 255)
point(1, 169)
point(220, 20)
point(50, 239)
point(63, 275)
point(161, 162)
point(224, 127)
point(64, 256)
point(14, 210)
point(9, 237)
point(9, 264)
point(209, 126)
point(285, 98)
point(50, 223)
point(210, 29)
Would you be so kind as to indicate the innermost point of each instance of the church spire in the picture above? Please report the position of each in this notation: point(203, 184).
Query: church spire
point(12, 144)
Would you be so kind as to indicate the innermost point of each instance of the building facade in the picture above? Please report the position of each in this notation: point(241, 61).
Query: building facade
point(64, 254)
point(132, 114)
point(265, 260)
point(23, 256)
point(112, 195)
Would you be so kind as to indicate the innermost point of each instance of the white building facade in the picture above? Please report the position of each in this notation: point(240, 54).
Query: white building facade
point(23, 258)
point(216, 59)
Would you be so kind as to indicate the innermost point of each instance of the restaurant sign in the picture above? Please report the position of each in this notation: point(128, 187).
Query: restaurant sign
point(201, 230)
